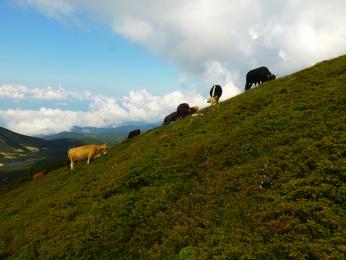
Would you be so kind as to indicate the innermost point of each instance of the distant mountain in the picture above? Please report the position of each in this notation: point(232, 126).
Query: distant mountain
point(115, 130)
point(63, 135)
point(83, 138)
point(17, 147)
point(110, 135)
point(14, 147)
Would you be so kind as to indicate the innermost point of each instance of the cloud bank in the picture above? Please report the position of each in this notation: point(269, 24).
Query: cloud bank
point(238, 34)
point(103, 111)
point(21, 92)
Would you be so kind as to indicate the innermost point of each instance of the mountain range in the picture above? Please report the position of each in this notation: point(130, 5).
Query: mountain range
point(109, 135)
point(14, 146)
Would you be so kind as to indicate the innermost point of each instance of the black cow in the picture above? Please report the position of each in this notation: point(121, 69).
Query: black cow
point(258, 76)
point(215, 94)
point(134, 133)
point(183, 110)
point(170, 118)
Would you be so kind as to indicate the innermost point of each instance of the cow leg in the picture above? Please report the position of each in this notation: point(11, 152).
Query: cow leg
point(71, 165)
point(89, 157)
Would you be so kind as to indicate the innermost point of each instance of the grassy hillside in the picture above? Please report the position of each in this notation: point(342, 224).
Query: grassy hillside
point(260, 176)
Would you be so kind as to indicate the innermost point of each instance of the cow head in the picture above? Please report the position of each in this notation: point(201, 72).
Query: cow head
point(102, 149)
point(194, 109)
point(213, 100)
point(271, 76)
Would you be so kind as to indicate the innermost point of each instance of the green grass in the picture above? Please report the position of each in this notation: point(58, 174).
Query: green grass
point(191, 190)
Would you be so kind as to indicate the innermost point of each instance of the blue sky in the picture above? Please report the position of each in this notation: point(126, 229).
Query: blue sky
point(38, 51)
point(102, 63)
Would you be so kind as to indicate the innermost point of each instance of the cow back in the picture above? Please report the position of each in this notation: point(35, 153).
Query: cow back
point(170, 118)
point(134, 133)
point(82, 152)
point(183, 110)
point(216, 91)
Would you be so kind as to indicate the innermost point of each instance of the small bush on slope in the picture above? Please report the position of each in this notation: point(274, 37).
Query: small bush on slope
point(262, 175)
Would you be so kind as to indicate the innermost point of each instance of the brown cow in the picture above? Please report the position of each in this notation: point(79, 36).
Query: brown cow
point(194, 109)
point(86, 152)
point(37, 176)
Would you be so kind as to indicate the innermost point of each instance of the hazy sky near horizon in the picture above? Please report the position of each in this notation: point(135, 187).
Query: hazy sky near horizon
point(106, 62)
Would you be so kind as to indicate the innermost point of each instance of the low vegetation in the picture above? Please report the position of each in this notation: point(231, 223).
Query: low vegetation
point(259, 176)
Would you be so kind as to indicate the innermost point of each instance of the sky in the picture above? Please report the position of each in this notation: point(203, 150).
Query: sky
point(104, 63)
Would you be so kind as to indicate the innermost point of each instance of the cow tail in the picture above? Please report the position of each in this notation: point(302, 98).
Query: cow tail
point(213, 93)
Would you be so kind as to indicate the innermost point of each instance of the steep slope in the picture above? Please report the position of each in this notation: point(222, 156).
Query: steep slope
point(262, 175)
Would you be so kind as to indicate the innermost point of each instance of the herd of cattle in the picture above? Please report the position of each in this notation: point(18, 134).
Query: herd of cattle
point(88, 152)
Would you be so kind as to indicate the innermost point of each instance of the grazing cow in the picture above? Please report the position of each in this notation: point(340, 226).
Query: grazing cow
point(258, 76)
point(86, 152)
point(183, 110)
point(134, 133)
point(170, 118)
point(194, 109)
point(37, 176)
point(215, 94)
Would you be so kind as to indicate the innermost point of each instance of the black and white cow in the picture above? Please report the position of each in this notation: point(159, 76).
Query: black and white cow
point(134, 133)
point(215, 94)
point(258, 76)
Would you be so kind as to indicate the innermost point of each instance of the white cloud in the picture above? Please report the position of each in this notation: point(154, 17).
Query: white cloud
point(103, 111)
point(43, 121)
point(56, 9)
point(134, 29)
point(13, 92)
point(216, 42)
point(48, 94)
point(239, 34)
point(20, 92)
